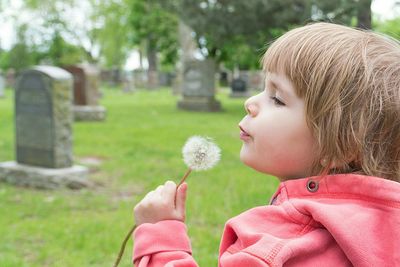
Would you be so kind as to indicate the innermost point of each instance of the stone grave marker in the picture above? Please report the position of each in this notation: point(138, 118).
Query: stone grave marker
point(2, 85)
point(86, 93)
point(10, 78)
point(43, 124)
point(128, 85)
point(239, 88)
point(199, 86)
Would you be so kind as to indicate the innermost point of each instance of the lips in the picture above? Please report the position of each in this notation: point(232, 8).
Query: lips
point(243, 134)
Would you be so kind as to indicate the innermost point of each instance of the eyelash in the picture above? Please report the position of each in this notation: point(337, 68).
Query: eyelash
point(277, 101)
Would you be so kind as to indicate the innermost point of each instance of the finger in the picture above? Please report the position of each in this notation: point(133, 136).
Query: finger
point(169, 190)
point(181, 199)
point(149, 194)
point(159, 189)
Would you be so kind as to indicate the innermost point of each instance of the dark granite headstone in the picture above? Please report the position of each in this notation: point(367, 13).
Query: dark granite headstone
point(223, 78)
point(238, 85)
point(43, 117)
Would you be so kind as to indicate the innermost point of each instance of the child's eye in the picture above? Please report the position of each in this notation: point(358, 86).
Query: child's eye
point(277, 101)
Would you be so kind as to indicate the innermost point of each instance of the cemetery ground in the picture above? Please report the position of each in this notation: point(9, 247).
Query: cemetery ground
point(135, 149)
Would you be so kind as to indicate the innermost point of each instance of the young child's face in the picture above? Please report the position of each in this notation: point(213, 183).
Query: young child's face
point(276, 138)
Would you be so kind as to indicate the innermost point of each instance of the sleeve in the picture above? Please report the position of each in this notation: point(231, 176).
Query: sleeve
point(165, 243)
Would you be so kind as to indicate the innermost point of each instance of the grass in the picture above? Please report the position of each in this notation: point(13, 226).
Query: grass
point(139, 147)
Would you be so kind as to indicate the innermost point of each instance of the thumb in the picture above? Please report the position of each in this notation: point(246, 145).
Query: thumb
point(181, 199)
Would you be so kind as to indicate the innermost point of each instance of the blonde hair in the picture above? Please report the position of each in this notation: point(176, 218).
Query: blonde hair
point(350, 82)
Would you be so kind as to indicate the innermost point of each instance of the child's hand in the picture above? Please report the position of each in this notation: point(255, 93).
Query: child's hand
point(160, 204)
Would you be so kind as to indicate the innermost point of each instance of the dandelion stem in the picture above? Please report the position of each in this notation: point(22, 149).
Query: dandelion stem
point(122, 249)
point(189, 170)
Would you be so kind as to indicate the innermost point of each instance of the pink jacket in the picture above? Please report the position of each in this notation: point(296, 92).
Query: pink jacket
point(338, 220)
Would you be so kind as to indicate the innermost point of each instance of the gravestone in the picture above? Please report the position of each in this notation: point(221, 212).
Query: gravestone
point(128, 85)
point(139, 78)
point(239, 88)
point(86, 93)
point(188, 49)
point(10, 78)
point(106, 77)
point(43, 124)
point(199, 86)
point(2, 85)
point(223, 78)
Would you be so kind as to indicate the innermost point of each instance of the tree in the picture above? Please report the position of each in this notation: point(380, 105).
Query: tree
point(20, 55)
point(155, 30)
point(226, 30)
point(364, 14)
point(112, 32)
point(55, 24)
point(61, 53)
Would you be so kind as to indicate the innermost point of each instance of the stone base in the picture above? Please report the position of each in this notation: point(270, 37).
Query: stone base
point(237, 94)
point(14, 173)
point(89, 113)
point(199, 104)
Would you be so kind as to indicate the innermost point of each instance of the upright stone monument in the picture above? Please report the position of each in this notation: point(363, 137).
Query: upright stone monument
point(199, 86)
point(86, 93)
point(127, 84)
point(239, 88)
point(10, 78)
point(2, 85)
point(188, 50)
point(43, 123)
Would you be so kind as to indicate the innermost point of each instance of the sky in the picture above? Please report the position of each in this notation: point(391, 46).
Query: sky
point(382, 9)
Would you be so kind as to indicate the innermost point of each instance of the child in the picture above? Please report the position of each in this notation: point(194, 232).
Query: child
point(328, 126)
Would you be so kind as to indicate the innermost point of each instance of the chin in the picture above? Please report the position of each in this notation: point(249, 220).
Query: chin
point(243, 155)
point(248, 160)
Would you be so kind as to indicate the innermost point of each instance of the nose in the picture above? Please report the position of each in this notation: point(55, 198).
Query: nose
point(251, 106)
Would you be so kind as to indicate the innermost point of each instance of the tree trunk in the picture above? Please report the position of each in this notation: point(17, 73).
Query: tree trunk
point(152, 71)
point(364, 14)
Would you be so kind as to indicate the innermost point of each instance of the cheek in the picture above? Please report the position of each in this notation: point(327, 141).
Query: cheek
point(284, 148)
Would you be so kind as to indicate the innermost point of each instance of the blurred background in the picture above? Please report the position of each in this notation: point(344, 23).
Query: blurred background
point(147, 74)
point(123, 36)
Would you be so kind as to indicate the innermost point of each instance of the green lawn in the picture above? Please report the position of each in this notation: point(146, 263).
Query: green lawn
point(139, 146)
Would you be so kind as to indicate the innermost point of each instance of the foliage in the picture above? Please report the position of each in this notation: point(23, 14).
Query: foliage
point(154, 29)
point(389, 27)
point(4, 60)
point(60, 31)
point(232, 31)
point(113, 32)
point(61, 53)
point(20, 56)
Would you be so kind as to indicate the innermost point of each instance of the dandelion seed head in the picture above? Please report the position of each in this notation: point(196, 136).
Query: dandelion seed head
point(200, 153)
